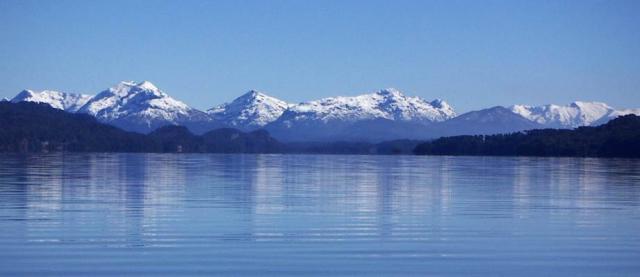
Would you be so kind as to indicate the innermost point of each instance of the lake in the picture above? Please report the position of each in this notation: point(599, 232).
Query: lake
point(208, 214)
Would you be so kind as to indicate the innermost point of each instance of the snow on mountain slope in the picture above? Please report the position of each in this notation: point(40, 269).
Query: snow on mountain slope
point(386, 104)
point(59, 100)
point(129, 98)
point(140, 107)
point(251, 110)
point(622, 112)
point(387, 114)
point(614, 115)
point(573, 115)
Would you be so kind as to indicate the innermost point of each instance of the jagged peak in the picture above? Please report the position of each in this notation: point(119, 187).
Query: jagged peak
point(28, 93)
point(123, 86)
point(390, 92)
point(439, 103)
point(24, 93)
point(147, 85)
point(387, 103)
point(250, 110)
point(251, 95)
point(59, 100)
point(143, 85)
point(396, 94)
point(574, 114)
point(127, 88)
point(583, 104)
point(574, 104)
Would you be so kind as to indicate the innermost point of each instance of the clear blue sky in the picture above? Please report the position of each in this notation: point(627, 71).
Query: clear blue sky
point(473, 54)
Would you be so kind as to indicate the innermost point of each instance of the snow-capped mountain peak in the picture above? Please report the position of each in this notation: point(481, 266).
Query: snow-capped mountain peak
point(385, 104)
point(251, 110)
point(140, 107)
point(390, 92)
point(439, 103)
point(70, 102)
point(142, 98)
point(125, 88)
point(578, 113)
point(381, 115)
point(148, 86)
point(256, 97)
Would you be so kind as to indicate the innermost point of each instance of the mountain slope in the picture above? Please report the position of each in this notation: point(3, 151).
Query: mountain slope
point(142, 107)
point(494, 120)
point(252, 110)
point(615, 114)
point(386, 114)
point(60, 100)
point(573, 115)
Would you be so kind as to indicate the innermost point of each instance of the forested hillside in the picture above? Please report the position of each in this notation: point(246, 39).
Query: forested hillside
point(618, 138)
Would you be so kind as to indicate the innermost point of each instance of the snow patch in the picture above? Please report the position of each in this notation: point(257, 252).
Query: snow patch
point(70, 102)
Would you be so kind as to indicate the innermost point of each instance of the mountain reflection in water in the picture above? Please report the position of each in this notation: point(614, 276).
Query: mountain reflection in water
point(68, 214)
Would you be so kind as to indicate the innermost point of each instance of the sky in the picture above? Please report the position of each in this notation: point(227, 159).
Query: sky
point(473, 54)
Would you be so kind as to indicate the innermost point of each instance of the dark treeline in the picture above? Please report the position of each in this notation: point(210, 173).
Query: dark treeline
point(618, 138)
point(31, 127)
point(393, 147)
point(225, 140)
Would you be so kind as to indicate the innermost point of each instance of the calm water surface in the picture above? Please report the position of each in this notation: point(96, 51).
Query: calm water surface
point(127, 214)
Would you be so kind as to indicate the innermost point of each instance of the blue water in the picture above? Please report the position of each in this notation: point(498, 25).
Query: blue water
point(132, 214)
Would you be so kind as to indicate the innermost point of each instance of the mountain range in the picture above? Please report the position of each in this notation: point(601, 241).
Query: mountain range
point(383, 115)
